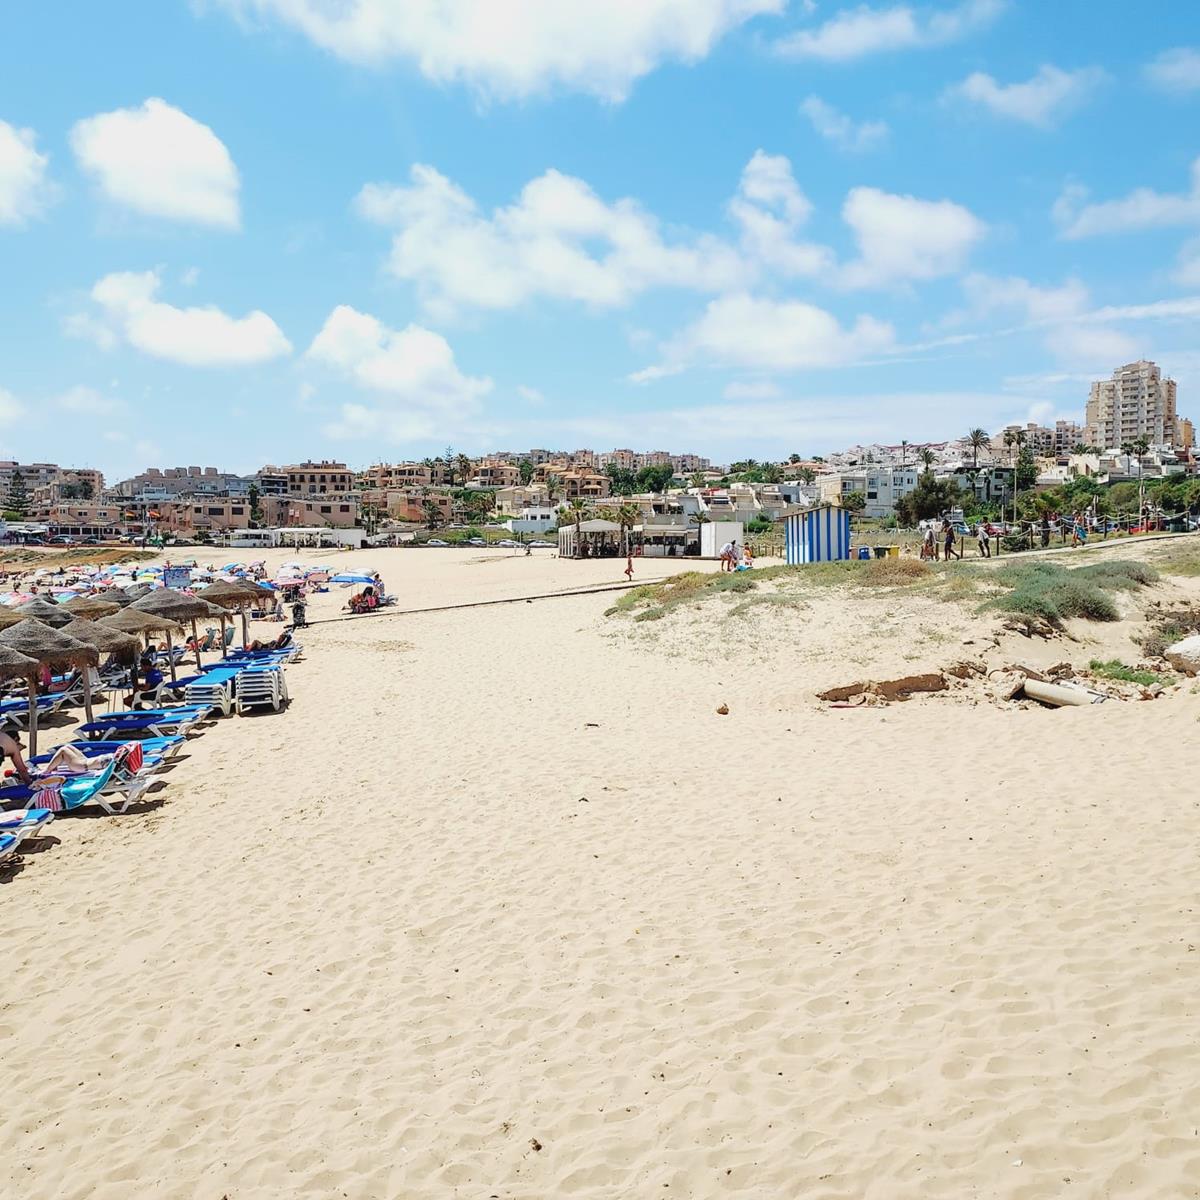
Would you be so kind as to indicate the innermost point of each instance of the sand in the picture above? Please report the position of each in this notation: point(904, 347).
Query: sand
point(502, 907)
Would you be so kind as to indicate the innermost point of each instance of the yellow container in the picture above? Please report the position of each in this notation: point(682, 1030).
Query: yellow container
point(893, 551)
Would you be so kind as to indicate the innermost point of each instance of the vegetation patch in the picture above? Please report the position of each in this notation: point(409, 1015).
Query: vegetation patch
point(1113, 668)
point(1053, 593)
point(1168, 629)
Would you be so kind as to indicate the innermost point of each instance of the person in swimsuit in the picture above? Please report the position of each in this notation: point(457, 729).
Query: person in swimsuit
point(11, 748)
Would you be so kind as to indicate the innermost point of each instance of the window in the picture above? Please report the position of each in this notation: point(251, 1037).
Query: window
point(326, 508)
point(343, 508)
point(237, 510)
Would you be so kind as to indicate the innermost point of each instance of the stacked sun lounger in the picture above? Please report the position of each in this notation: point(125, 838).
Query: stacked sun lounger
point(261, 685)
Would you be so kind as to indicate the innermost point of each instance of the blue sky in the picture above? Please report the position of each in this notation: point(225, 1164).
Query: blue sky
point(241, 231)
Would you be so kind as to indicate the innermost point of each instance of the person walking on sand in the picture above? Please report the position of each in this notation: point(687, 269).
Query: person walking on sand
point(985, 544)
point(948, 536)
point(629, 566)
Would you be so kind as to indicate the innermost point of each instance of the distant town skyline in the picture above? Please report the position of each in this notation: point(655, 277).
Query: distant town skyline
point(732, 225)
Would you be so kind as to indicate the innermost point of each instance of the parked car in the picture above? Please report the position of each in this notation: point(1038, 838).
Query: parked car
point(541, 544)
point(476, 542)
point(436, 542)
point(507, 543)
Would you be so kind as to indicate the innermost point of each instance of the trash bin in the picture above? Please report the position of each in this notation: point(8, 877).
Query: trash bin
point(893, 551)
point(864, 552)
point(880, 551)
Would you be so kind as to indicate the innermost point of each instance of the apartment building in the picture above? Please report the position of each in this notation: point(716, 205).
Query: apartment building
point(319, 479)
point(493, 474)
point(880, 486)
point(1136, 402)
point(407, 475)
point(332, 510)
point(167, 482)
point(627, 460)
point(1185, 434)
point(85, 518)
point(207, 514)
point(689, 464)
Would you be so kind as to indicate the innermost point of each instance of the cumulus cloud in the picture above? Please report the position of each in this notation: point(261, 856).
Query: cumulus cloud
point(10, 410)
point(1047, 97)
point(127, 310)
point(903, 238)
point(862, 31)
point(411, 372)
point(159, 161)
point(841, 130)
point(1143, 208)
point(1187, 271)
point(751, 389)
point(559, 240)
point(772, 335)
point(989, 294)
point(1176, 70)
point(1095, 345)
point(88, 402)
point(517, 49)
point(24, 190)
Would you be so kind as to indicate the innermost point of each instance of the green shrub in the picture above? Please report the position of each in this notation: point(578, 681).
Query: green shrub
point(1113, 668)
point(1119, 574)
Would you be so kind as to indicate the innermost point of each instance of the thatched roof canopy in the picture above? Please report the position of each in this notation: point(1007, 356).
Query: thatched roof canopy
point(115, 595)
point(130, 620)
point(10, 616)
point(44, 610)
point(91, 607)
point(15, 665)
point(104, 638)
point(233, 595)
point(49, 647)
point(135, 591)
point(179, 606)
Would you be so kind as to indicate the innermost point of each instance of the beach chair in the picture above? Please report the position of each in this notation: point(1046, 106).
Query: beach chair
point(8, 845)
point(162, 747)
point(258, 687)
point(25, 822)
point(214, 688)
point(114, 788)
point(160, 723)
point(16, 712)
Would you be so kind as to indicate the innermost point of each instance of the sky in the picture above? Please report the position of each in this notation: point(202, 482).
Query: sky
point(239, 232)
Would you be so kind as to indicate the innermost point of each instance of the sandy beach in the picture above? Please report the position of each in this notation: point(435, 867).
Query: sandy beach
point(501, 906)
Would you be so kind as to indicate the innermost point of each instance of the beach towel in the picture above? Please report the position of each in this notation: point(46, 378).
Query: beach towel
point(50, 798)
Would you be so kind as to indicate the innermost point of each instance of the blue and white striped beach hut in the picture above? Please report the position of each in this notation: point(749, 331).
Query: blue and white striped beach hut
point(820, 534)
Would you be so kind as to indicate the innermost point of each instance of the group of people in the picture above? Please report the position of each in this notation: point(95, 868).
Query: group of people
point(945, 542)
point(735, 558)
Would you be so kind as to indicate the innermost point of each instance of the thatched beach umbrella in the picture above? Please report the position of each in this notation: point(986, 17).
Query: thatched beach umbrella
point(234, 594)
point(179, 606)
point(15, 665)
point(45, 611)
point(49, 648)
point(115, 595)
point(108, 641)
point(135, 591)
point(90, 607)
point(10, 616)
point(141, 624)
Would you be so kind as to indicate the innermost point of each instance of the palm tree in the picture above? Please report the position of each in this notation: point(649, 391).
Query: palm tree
point(977, 439)
point(431, 514)
point(464, 466)
point(1141, 444)
point(927, 458)
point(697, 479)
point(904, 452)
point(771, 473)
point(552, 485)
point(576, 510)
point(627, 516)
point(1010, 437)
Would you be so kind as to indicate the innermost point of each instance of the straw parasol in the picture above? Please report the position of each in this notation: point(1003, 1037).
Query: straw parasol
point(90, 607)
point(234, 594)
point(10, 616)
point(107, 641)
point(132, 620)
point(115, 595)
point(45, 611)
point(179, 606)
point(135, 591)
point(15, 665)
point(48, 648)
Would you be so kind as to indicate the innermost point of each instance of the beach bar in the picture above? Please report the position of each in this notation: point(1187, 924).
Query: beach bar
point(820, 534)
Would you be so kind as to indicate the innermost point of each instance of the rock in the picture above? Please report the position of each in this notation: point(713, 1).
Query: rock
point(1156, 689)
point(1184, 656)
point(723, 710)
point(901, 689)
point(845, 692)
point(1006, 685)
point(965, 669)
point(1062, 670)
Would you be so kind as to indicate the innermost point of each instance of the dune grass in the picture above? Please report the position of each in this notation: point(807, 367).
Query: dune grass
point(1113, 668)
point(1054, 593)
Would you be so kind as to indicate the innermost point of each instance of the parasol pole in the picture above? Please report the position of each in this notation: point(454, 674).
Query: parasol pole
point(87, 694)
point(33, 715)
point(245, 628)
point(171, 656)
point(196, 643)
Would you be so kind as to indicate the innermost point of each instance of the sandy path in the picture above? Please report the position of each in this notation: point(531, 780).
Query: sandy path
point(380, 945)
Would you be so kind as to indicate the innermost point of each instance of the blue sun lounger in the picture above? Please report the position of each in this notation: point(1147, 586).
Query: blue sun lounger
point(113, 793)
point(142, 724)
point(163, 747)
point(25, 822)
point(8, 845)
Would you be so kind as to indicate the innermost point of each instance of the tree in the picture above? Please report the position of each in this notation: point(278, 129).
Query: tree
point(431, 514)
point(806, 475)
point(254, 496)
point(697, 479)
point(930, 498)
point(622, 481)
point(771, 473)
point(526, 469)
point(854, 502)
point(1010, 436)
point(464, 466)
point(978, 440)
point(627, 516)
point(18, 494)
point(655, 479)
point(795, 458)
point(927, 458)
point(903, 452)
point(576, 511)
point(1025, 475)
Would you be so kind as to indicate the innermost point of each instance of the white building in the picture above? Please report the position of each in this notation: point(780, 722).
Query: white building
point(1136, 402)
point(880, 487)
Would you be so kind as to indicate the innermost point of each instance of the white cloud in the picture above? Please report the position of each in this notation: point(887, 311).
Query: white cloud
point(127, 311)
point(559, 240)
point(841, 130)
point(531, 395)
point(1047, 97)
point(513, 50)
point(416, 384)
point(10, 410)
point(1187, 273)
point(773, 335)
point(1096, 345)
point(903, 238)
point(24, 191)
point(858, 32)
point(988, 294)
point(88, 402)
point(1143, 208)
point(159, 161)
point(769, 207)
point(754, 389)
point(1176, 70)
